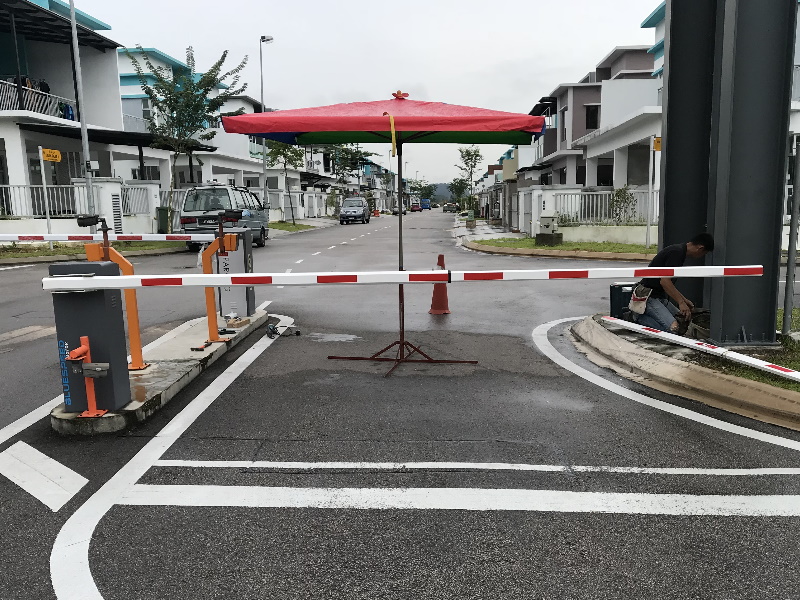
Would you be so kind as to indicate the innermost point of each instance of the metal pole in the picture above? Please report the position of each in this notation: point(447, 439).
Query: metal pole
point(20, 97)
point(44, 194)
point(400, 204)
point(791, 259)
point(650, 193)
point(265, 198)
point(82, 104)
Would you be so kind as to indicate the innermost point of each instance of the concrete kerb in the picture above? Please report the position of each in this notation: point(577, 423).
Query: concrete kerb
point(66, 257)
point(583, 254)
point(173, 365)
point(744, 397)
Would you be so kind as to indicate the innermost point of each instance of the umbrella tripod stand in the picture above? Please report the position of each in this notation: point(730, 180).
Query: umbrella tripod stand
point(404, 350)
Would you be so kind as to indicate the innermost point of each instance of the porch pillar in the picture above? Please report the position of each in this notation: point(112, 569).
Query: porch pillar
point(591, 171)
point(207, 169)
point(572, 170)
point(238, 178)
point(620, 167)
point(20, 96)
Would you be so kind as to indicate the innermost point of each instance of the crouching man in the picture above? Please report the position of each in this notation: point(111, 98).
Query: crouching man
point(659, 312)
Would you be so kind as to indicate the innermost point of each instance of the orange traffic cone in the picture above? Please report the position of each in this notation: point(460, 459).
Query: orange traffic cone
point(439, 305)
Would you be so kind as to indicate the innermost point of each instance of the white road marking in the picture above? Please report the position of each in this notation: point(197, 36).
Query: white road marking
point(26, 334)
point(16, 267)
point(315, 253)
point(448, 466)
point(43, 411)
point(47, 480)
point(331, 247)
point(297, 262)
point(473, 499)
point(362, 235)
point(353, 239)
point(539, 336)
point(264, 305)
point(343, 243)
point(69, 559)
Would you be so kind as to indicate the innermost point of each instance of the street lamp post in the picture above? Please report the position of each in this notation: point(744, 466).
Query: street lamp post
point(265, 39)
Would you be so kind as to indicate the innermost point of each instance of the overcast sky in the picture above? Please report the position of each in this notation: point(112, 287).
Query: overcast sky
point(503, 56)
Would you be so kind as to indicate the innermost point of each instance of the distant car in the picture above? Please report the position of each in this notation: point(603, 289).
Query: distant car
point(416, 206)
point(354, 209)
point(434, 205)
point(202, 205)
point(450, 207)
point(396, 210)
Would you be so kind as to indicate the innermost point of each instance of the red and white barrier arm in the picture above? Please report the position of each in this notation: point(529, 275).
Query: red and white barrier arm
point(736, 357)
point(90, 282)
point(113, 237)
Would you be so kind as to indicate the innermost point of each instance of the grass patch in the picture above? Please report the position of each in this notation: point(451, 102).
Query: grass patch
point(31, 250)
point(530, 242)
point(286, 226)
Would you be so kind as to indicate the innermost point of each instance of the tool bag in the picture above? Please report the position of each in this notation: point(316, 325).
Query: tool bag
point(639, 299)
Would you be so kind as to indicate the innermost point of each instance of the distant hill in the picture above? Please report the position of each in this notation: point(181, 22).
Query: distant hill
point(442, 193)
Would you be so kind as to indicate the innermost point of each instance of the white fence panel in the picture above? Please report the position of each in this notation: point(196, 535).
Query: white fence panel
point(598, 208)
point(28, 201)
point(135, 201)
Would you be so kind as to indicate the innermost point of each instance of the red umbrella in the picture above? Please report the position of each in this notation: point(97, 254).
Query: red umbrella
point(400, 121)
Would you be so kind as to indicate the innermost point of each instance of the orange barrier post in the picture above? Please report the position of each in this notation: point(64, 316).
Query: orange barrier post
point(84, 353)
point(439, 304)
point(230, 243)
point(96, 252)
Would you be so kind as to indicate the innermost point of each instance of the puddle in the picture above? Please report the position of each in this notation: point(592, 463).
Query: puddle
point(332, 337)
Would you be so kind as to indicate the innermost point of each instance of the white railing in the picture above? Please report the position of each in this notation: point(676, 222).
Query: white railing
point(134, 123)
point(598, 208)
point(176, 203)
point(34, 100)
point(28, 201)
point(135, 201)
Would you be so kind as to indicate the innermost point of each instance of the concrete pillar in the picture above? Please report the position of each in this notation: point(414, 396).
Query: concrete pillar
point(165, 172)
point(207, 169)
point(238, 178)
point(572, 170)
point(591, 171)
point(16, 154)
point(620, 167)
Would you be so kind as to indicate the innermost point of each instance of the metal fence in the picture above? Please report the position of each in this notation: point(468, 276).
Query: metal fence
point(601, 208)
point(34, 100)
point(28, 201)
point(135, 201)
point(175, 202)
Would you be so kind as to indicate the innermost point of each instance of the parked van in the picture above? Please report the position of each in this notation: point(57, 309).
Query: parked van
point(204, 203)
point(425, 203)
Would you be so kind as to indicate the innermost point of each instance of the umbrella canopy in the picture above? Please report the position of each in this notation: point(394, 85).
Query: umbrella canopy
point(367, 122)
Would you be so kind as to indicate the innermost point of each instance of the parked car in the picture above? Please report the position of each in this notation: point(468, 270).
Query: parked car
point(416, 206)
point(425, 203)
point(450, 207)
point(434, 205)
point(202, 205)
point(396, 210)
point(354, 209)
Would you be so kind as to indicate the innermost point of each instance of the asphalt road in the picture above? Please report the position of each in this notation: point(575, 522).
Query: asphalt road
point(282, 474)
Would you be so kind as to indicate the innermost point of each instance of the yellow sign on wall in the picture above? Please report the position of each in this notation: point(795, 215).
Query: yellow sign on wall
point(657, 144)
point(51, 155)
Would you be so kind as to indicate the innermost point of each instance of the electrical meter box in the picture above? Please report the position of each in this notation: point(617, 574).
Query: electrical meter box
point(548, 221)
point(96, 314)
point(236, 300)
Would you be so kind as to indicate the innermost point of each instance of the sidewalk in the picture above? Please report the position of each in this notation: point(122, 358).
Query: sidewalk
point(318, 223)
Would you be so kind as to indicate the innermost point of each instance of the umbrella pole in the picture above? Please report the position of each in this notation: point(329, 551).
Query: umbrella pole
point(402, 344)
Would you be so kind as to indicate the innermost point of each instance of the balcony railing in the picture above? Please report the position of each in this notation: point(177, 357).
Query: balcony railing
point(35, 101)
point(134, 123)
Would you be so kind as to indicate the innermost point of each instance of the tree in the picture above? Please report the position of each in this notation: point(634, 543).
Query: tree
point(387, 179)
point(470, 158)
point(422, 188)
point(458, 188)
point(182, 106)
point(369, 196)
point(347, 161)
point(286, 156)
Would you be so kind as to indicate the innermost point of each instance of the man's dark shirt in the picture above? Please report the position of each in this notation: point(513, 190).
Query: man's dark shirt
point(671, 256)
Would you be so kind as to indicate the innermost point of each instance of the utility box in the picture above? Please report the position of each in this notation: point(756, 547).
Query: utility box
point(96, 314)
point(236, 300)
point(620, 297)
point(548, 229)
point(164, 219)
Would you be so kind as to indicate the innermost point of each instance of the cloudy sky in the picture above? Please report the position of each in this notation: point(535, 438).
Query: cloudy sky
point(502, 56)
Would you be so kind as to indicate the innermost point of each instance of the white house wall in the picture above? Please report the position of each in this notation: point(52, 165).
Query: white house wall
point(621, 137)
point(619, 98)
point(101, 88)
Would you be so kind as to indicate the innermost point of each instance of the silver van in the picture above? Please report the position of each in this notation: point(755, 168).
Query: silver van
point(203, 204)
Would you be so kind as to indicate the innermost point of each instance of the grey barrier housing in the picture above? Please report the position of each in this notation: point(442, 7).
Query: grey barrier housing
point(98, 315)
point(237, 300)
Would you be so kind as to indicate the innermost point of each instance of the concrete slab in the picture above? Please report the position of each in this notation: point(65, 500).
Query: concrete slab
point(173, 365)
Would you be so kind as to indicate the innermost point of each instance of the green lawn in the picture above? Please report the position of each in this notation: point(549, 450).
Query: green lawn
point(30, 250)
point(286, 226)
point(530, 242)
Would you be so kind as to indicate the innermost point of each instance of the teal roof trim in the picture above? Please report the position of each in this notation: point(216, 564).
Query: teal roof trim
point(133, 96)
point(657, 72)
point(656, 16)
point(659, 45)
point(62, 8)
point(155, 53)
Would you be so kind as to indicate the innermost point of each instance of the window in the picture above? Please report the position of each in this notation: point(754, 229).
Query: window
point(147, 109)
point(207, 200)
point(563, 123)
point(150, 173)
point(593, 116)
